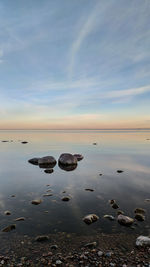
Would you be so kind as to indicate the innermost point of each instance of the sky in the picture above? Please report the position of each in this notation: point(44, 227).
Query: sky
point(74, 64)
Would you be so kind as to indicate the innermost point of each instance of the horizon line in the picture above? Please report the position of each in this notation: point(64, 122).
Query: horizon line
point(70, 129)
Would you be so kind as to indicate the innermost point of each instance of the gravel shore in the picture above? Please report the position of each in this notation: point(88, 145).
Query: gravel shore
point(63, 249)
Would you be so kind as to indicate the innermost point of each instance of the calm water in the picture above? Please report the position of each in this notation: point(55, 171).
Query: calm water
point(126, 150)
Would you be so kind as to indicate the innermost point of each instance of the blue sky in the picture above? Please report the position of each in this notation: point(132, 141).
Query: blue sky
point(74, 64)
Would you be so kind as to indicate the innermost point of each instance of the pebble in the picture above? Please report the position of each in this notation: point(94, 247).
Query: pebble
point(58, 262)
point(100, 253)
point(42, 238)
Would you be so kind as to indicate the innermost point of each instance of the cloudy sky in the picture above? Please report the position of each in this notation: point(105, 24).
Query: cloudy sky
point(74, 64)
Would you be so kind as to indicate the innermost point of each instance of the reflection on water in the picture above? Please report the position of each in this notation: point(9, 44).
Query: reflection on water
point(115, 150)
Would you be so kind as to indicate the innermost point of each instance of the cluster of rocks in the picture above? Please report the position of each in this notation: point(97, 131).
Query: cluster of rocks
point(66, 161)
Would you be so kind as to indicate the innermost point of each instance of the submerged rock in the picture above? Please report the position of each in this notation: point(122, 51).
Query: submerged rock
point(9, 228)
point(65, 198)
point(78, 156)
point(36, 201)
point(42, 238)
point(47, 162)
point(125, 220)
point(139, 210)
point(143, 241)
point(49, 171)
point(7, 212)
point(139, 217)
point(90, 218)
point(34, 161)
point(67, 159)
point(109, 217)
point(115, 206)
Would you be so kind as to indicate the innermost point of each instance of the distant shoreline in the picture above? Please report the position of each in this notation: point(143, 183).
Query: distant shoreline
point(105, 129)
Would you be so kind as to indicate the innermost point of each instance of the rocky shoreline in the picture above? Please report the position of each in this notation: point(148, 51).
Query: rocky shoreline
point(64, 249)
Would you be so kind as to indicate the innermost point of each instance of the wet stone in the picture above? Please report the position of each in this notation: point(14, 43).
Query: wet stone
point(9, 228)
point(20, 219)
point(139, 217)
point(7, 212)
point(34, 161)
point(139, 210)
point(24, 142)
point(49, 171)
point(67, 159)
point(115, 206)
point(109, 217)
point(54, 247)
point(65, 198)
point(89, 189)
point(36, 201)
point(100, 253)
point(78, 156)
point(91, 218)
point(125, 220)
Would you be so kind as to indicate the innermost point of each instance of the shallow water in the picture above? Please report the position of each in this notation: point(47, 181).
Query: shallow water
point(125, 150)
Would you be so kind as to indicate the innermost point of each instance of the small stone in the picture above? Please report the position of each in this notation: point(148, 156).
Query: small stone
point(143, 241)
point(120, 171)
point(12, 195)
point(89, 189)
point(7, 212)
point(139, 210)
point(108, 254)
point(65, 198)
point(47, 195)
point(49, 171)
point(100, 253)
point(110, 217)
point(9, 228)
point(139, 217)
point(67, 159)
point(100, 174)
point(36, 201)
point(115, 206)
point(20, 219)
point(34, 161)
point(90, 218)
point(42, 238)
point(125, 220)
point(94, 144)
point(120, 212)
point(78, 156)
point(24, 142)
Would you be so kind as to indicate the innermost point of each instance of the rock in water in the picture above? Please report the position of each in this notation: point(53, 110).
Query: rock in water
point(65, 198)
point(36, 201)
point(47, 162)
point(49, 171)
point(109, 217)
point(139, 210)
point(143, 241)
point(20, 219)
point(41, 238)
point(78, 156)
point(24, 142)
point(89, 189)
point(125, 220)
point(67, 159)
point(34, 161)
point(9, 228)
point(90, 218)
point(139, 217)
point(67, 168)
point(7, 212)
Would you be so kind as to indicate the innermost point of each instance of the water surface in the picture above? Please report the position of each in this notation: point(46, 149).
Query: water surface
point(125, 150)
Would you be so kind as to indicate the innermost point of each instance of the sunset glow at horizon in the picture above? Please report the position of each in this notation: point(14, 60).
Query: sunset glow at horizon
point(74, 64)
